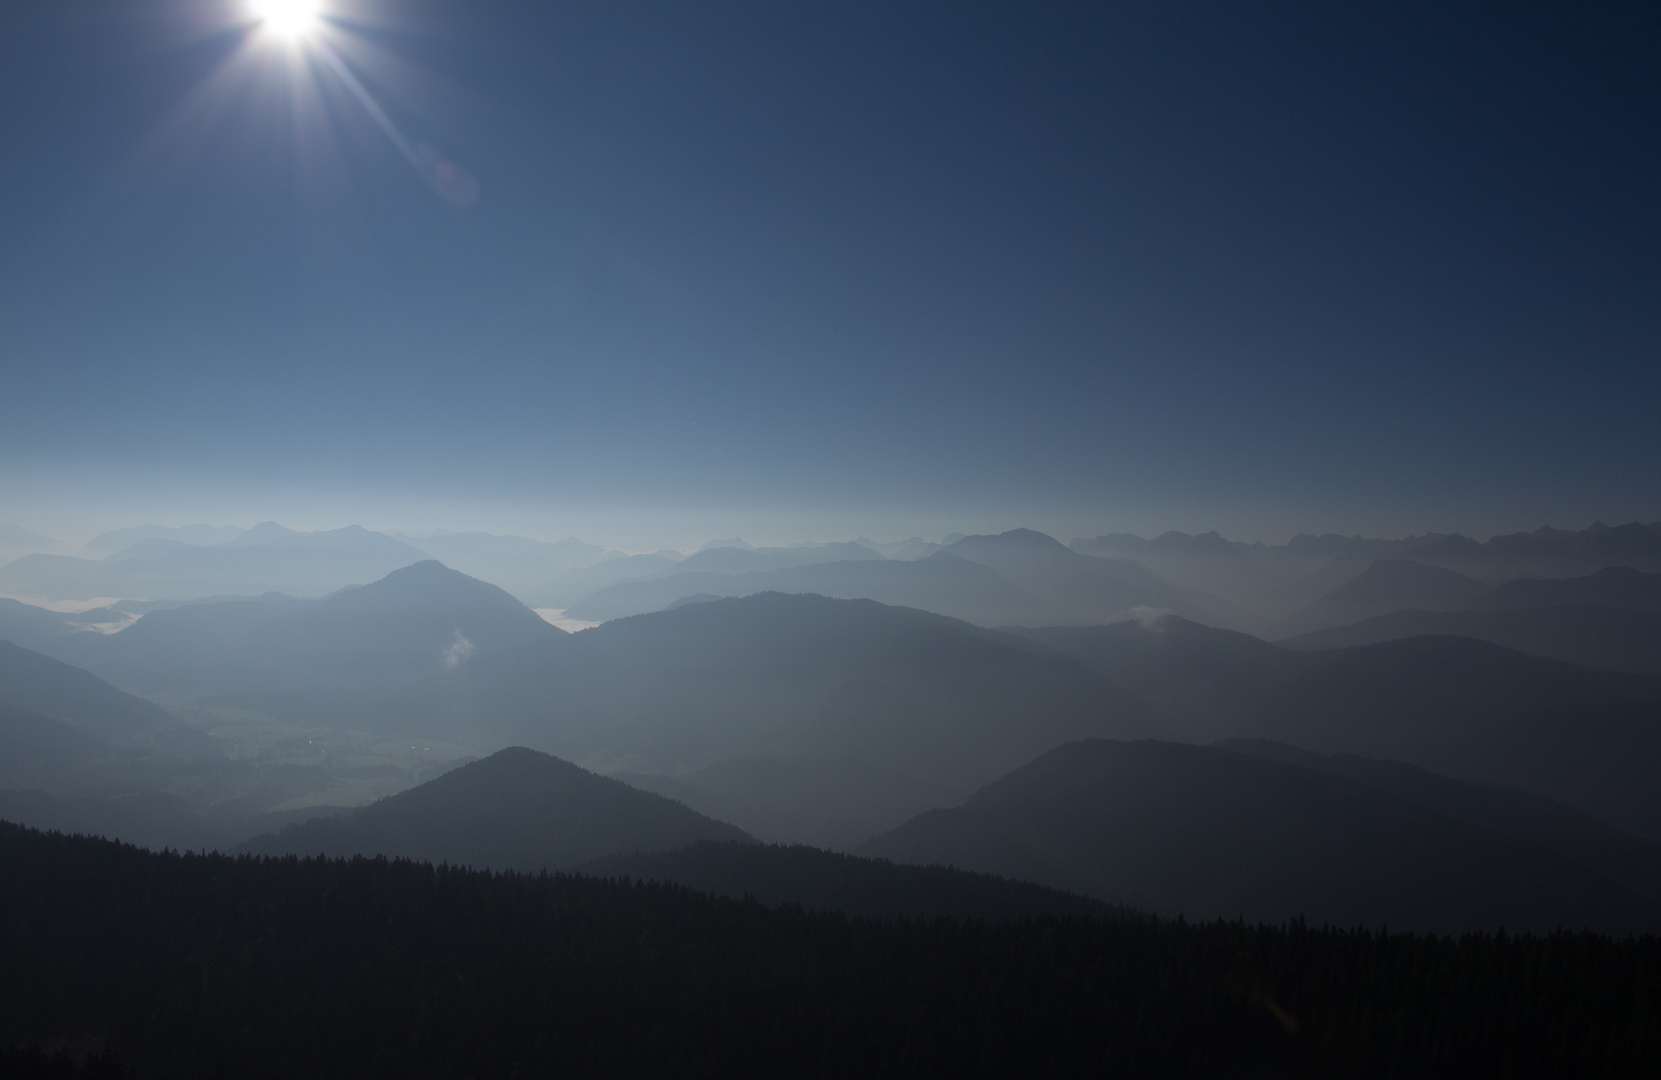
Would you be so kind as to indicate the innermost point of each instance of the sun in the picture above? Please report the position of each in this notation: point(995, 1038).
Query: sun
point(289, 18)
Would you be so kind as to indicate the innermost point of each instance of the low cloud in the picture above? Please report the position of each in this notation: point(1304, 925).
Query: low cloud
point(1150, 617)
point(458, 651)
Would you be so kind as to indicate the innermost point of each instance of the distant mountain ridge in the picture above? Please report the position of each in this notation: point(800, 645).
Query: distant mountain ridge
point(1610, 619)
point(1263, 586)
point(263, 559)
point(802, 718)
point(942, 583)
point(1612, 587)
point(16, 542)
point(1020, 577)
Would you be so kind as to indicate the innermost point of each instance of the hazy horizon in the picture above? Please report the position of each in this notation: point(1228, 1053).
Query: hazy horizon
point(645, 533)
point(1199, 473)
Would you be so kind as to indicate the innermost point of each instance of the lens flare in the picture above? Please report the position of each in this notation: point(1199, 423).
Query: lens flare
point(290, 18)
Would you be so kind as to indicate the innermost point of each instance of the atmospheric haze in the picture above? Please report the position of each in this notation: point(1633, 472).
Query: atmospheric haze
point(852, 539)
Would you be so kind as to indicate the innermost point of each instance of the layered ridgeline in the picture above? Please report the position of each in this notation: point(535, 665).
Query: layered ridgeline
point(1211, 832)
point(193, 964)
point(825, 721)
point(805, 719)
point(1608, 638)
point(1020, 577)
point(40, 684)
point(265, 558)
point(1267, 583)
point(78, 755)
point(1386, 585)
point(521, 810)
point(1610, 619)
point(1461, 707)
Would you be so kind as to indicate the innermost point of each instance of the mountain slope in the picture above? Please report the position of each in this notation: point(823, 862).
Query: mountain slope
point(1457, 705)
point(35, 749)
point(1385, 586)
point(1612, 587)
point(1079, 589)
point(1207, 832)
point(413, 632)
point(516, 809)
point(30, 626)
point(1596, 637)
point(1619, 856)
point(776, 675)
point(40, 684)
point(1203, 679)
point(842, 717)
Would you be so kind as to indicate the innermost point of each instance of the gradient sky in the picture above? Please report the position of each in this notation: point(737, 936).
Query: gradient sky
point(824, 269)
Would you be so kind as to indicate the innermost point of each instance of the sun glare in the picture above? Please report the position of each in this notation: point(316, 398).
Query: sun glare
point(290, 18)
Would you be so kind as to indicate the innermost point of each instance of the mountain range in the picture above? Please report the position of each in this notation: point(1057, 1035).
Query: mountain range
point(802, 718)
point(799, 718)
point(263, 559)
point(1609, 619)
point(1020, 577)
point(1264, 586)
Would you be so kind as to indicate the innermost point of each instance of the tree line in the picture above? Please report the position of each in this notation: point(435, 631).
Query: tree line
point(208, 965)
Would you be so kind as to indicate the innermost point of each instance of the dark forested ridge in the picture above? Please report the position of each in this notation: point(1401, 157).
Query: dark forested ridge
point(196, 965)
point(820, 880)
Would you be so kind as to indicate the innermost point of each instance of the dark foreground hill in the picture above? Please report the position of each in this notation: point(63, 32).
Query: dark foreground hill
point(1207, 832)
point(1462, 707)
point(1620, 856)
point(820, 880)
point(516, 809)
point(207, 965)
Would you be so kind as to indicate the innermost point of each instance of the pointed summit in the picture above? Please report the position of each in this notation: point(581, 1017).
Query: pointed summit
point(516, 809)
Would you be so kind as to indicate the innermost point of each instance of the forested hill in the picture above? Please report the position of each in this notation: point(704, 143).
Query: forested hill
point(198, 965)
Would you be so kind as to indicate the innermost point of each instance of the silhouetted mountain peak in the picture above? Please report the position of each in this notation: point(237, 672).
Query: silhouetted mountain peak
point(1024, 541)
point(430, 585)
point(730, 542)
point(517, 808)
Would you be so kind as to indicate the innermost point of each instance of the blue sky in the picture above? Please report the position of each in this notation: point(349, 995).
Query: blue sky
point(825, 269)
